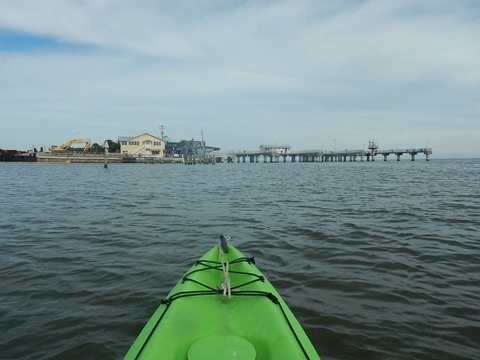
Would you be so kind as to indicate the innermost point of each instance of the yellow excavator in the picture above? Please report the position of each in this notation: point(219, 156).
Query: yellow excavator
point(65, 146)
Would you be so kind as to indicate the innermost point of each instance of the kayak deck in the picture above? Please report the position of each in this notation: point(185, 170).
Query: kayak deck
point(223, 307)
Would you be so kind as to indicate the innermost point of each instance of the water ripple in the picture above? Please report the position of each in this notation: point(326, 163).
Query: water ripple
point(377, 260)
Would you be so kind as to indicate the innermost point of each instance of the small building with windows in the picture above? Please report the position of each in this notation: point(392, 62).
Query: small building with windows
point(142, 145)
point(282, 149)
point(194, 147)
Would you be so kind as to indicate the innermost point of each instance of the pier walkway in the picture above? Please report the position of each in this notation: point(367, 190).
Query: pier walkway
point(275, 156)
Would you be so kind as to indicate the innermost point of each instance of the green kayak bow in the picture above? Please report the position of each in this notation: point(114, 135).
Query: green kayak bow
point(223, 308)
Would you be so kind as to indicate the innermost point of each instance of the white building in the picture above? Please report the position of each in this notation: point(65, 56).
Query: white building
point(142, 145)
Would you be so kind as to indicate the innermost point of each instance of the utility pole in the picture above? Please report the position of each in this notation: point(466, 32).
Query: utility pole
point(203, 145)
point(162, 128)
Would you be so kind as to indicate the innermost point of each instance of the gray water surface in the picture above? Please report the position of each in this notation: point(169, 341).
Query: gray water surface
point(377, 259)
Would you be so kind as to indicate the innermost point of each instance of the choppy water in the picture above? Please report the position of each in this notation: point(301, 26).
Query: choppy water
point(377, 260)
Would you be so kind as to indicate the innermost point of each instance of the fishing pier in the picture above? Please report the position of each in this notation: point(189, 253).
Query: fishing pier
point(275, 154)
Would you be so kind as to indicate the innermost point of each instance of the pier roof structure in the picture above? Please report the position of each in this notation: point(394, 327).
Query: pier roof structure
point(284, 148)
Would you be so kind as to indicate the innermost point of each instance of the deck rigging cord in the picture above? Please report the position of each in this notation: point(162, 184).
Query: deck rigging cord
point(223, 249)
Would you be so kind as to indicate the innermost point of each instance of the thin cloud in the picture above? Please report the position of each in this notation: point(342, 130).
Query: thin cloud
point(346, 69)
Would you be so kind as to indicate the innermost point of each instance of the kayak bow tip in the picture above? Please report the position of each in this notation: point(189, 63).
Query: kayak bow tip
point(224, 244)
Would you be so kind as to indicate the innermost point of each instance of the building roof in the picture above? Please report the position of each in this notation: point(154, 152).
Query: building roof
point(153, 136)
point(275, 146)
point(126, 138)
point(167, 139)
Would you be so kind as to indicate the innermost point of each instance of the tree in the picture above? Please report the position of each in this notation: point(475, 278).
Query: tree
point(98, 148)
point(113, 146)
point(95, 148)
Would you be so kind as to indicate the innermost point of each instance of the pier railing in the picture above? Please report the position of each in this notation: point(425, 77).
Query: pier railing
point(274, 156)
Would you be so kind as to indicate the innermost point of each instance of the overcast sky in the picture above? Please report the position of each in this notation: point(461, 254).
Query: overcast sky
point(309, 74)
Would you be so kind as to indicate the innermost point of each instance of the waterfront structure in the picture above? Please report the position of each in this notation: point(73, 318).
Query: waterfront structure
point(148, 148)
point(142, 145)
point(282, 149)
point(171, 147)
point(194, 147)
point(273, 155)
point(17, 156)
